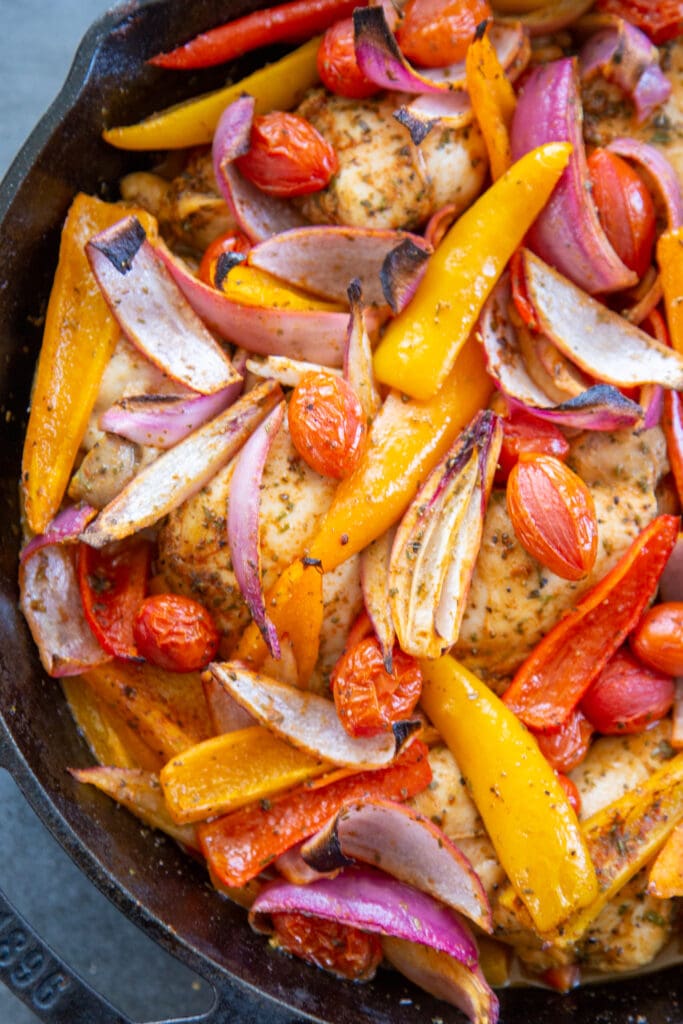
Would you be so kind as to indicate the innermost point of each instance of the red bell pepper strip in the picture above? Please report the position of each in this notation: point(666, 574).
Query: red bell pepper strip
point(113, 583)
point(238, 846)
point(287, 23)
point(553, 679)
point(672, 425)
point(523, 304)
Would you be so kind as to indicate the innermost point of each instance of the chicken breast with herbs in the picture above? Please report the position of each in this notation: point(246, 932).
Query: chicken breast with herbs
point(514, 600)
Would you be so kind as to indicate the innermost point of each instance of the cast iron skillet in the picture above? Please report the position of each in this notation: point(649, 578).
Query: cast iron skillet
point(149, 878)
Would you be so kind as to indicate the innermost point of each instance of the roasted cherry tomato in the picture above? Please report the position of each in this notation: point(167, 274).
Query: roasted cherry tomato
point(572, 793)
point(113, 581)
point(221, 255)
point(525, 433)
point(175, 633)
point(568, 746)
point(628, 696)
point(434, 33)
point(661, 20)
point(327, 424)
point(553, 515)
point(339, 948)
point(337, 64)
point(625, 208)
point(287, 156)
point(367, 697)
point(658, 638)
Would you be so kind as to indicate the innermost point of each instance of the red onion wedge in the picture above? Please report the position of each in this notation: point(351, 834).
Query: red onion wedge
point(325, 259)
point(598, 408)
point(600, 342)
point(671, 580)
point(444, 977)
point(567, 233)
point(437, 542)
point(652, 402)
point(152, 311)
point(66, 526)
point(243, 522)
point(139, 791)
point(317, 336)
point(258, 215)
point(163, 420)
point(358, 368)
point(225, 713)
point(295, 869)
point(661, 177)
point(623, 54)
point(374, 578)
point(373, 902)
point(51, 603)
point(402, 271)
point(407, 846)
point(307, 721)
point(439, 223)
point(183, 470)
point(551, 17)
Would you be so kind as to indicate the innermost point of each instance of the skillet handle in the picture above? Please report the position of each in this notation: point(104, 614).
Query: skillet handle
point(57, 995)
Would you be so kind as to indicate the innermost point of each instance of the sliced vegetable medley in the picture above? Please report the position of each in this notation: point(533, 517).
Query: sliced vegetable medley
point(353, 477)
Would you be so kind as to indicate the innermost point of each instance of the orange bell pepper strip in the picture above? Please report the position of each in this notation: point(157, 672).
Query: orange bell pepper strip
point(553, 679)
point(406, 440)
point(286, 23)
point(240, 845)
point(421, 344)
point(278, 86)
point(672, 425)
point(534, 830)
point(79, 338)
point(493, 100)
point(670, 261)
point(233, 770)
point(666, 874)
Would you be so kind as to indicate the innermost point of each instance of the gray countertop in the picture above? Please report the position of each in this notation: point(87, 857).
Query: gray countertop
point(38, 42)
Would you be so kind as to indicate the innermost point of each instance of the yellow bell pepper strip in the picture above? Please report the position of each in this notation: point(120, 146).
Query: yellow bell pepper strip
point(421, 344)
point(231, 771)
point(79, 337)
point(295, 607)
point(621, 839)
point(406, 440)
point(141, 793)
point(533, 828)
point(670, 261)
point(110, 739)
point(278, 86)
point(493, 100)
point(254, 287)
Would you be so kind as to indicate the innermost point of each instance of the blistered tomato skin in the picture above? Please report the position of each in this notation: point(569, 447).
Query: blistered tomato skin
point(367, 697)
point(337, 64)
point(175, 633)
point(627, 696)
point(434, 33)
point(287, 156)
point(327, 424)
point(338, 948)
point(553, 515)
point(625, 208)
point(658, 638)
point(566, 748)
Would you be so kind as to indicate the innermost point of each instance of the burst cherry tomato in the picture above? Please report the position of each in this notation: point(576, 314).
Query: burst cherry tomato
point(338, 948)
point(568, 746)
point(327, 424)
point(175, 633)
point(434, 33)
point(625, 208)
point(572, 793)
point(627, 696)
point(367, 697)
point(658, 638)
point(337, 64)
point(220, 255)
point(661, 20)
point(287, 156)
point(525, 433)
point(553, 515)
